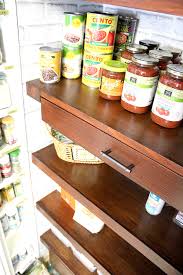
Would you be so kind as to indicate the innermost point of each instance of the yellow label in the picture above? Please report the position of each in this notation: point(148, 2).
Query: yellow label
point(111, 86)
point(50, 65)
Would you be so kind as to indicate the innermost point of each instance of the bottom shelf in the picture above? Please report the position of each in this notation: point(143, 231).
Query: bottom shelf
point(107, 251)
point(64, 255)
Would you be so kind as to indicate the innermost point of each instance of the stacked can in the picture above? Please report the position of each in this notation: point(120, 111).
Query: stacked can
point(99, 45)
point(125, 33)
point(74, 25)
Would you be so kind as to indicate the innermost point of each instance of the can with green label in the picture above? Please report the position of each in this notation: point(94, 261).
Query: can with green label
point(71, 62)
point(74, 25)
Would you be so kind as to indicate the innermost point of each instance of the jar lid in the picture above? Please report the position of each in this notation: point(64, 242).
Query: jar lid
point(114, 66)
point(161, 55)
point(7, 120)
point(172, 50)
point(15, 153)
point(49, 49)
point(175, 69)
point(136, 48)
point(73, 13)
point(144, 59)
point(127, 17)
point(147, 43)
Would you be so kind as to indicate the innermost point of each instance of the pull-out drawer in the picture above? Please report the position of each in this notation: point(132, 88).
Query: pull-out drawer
point(126, 160)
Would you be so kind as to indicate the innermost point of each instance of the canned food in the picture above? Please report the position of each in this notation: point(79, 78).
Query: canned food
point(71, 62)
point(74, 24)
point(50, 64)
point(91, 68)
point(125, 31)
point(100, 32)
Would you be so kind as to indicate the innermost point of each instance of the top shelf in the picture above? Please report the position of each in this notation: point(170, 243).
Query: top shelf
point(163, 6)
point(137, 131)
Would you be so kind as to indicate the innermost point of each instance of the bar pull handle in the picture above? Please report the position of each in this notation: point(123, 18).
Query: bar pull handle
point(106, 154)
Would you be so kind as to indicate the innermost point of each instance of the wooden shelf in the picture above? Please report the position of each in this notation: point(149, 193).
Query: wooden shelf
point(106, 250)
point(64, 254)
point(164, 146)
point(119, 202)
point(163, 6)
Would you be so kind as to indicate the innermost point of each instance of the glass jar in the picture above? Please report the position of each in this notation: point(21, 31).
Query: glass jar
point(150, 44)
point(5, 98)
point(128, 53)
point(112, 78)
point(164, 59)
point(175, 52)
point(8, 193)
point(14, 157)
point(5, 166)
point(140, 84)
point(167, 109)
point(8, 127)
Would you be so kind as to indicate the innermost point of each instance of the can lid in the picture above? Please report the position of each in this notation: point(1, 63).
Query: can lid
point(172, 50)
point(74, 13)
point(114, 66)
point(175, 69)
point(15, 153)
point(144, 59)
point(7, 120)
point(147, 42)
point(102, 13)
point(161, 55)
point(136, 48)
point(49, 49)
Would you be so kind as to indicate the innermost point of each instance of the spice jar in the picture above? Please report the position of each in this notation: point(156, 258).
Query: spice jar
point(8, 193)
point(14, 157)
point(128, 53)
point(5, 166)
point(112, 78)
point(8, 128)
point(150, 44)
point(140, 84)
point(167, 109)
point(175, 52)
point(163, 57)
point(5, 98)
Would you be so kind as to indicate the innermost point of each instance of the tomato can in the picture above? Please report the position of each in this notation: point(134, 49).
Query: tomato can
point(125, 33)
point(91, 68)
point(100, 32)
point(71, 62)
point(50, 64)
point(74, 26)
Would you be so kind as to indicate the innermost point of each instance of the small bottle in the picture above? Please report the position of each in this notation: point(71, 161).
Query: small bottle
point(154, 204)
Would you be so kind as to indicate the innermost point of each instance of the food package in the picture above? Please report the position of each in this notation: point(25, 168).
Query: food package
point(68, 199)
point(87, 219)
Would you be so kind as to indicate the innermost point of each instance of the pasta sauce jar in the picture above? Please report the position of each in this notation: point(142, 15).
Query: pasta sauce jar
point(163, 57)
point(167, 109)
point(175, 52)
point(128, 53)
point(140, 84)
point(112, 78)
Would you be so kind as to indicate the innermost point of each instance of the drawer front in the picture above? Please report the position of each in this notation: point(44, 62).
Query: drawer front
point(129, 162)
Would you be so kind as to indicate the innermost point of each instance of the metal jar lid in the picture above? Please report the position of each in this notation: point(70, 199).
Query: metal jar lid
point(136, 48)
point(172, 50)
point(49, 49)
point(149, 43)
point(161, 55)
point(175, 69)
point(144, 59)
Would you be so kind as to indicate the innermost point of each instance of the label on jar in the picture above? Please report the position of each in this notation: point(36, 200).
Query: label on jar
point(138, 90)
point(124, 60)
point(112, 87)
point(168, 103)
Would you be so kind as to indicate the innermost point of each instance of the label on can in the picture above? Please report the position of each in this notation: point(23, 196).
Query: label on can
point(50, 65)
point(91, 68)
point(74, 25)
point(100, 32)
point(71, 62)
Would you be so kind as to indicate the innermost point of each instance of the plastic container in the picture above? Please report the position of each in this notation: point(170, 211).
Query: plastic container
point(150, 44)
point(128, 53)
point(5, 98)
point(112, 79)
point(5, 166)
point(154, 204)
point(14, 157)
point(140, 84)
point(167, 109)
point(8, 127)
point(164, 59)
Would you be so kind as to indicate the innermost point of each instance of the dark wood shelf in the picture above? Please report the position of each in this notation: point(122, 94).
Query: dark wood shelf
point(106, 250)
point(118, 201)
point(163, 6)
point(64, 254)
point(164, 146)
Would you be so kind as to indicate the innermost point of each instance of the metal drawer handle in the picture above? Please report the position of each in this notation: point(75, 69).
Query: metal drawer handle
point(106, 155)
